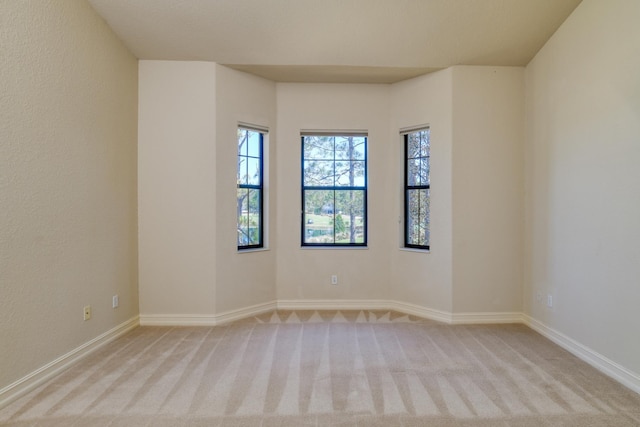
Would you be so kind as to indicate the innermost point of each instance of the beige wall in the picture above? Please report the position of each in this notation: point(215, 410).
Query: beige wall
point(187, 186)
point(243, 278)
point(189, 263)
point(306, 273)
point(488, 189)
point(421, 278)
point(68, 121)
point(582, 180)
point(177, 187)
point(476, 116)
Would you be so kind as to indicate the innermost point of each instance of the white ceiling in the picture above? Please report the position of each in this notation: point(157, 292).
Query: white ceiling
point(369, 41)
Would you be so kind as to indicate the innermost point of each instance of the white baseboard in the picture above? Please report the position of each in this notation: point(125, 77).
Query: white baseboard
point(177, 320)
point(342, 304)
point(25, 384)
point(205, 319)
point(420, 311)
point(350, 304)
point(254, 310)
point(322, 304)
point(486, 318)
point(593, 358)
point(403, 307)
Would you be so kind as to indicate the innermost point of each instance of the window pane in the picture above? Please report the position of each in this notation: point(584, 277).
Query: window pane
point(242, 170)
point(413, 146)
point(254, 144)
point(350, 174)
point(253, 170)
point(413, 172)
point(424, 143)
point(418, 172)
point(242, 204)
point(253, 215)
point(318, 216)
point(424, 171)
point(318, 173)
point(318, 147)
point(417, 226)
point(350, 148)
point(243, 141)
point(349, 216)
point(342, 172)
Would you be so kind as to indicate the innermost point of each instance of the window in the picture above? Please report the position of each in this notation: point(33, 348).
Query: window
point(334, 190)
point(250, 191)
point(416, 189)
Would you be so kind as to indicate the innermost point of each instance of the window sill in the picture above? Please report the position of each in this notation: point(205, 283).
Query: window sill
point(333, 248)
point(252, 250)
point(420, 251)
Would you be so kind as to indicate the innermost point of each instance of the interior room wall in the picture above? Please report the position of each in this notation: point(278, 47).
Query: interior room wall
point(246, 278)
point(416, 277)
point(582, 180)
point(68, 216)
point(488, 189)
point(305, 273)
point(177, 188)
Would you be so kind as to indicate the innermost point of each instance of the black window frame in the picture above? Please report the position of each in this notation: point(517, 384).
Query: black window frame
point(335, 188)
point(251, 187)
point(411, 188)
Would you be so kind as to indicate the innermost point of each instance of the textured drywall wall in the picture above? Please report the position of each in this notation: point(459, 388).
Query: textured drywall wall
point(583, 180)
point(305, 273)
point(177, 187)
point(244, 278)
point(68, 220)
point(417, 277)
point(488, 188)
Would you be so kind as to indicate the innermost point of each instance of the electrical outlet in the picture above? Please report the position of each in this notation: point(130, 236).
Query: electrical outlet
point(549, 300)
point(87, 312)
point(114, 301)
point(334, 279)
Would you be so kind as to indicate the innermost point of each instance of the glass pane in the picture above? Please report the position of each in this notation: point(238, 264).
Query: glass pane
point(253, 228)
point(350, 173)
point(425, 203)
point(318, 173)
point(318, 147)
point(342, 173)
point(413, 145)
point(253, 169)
point(318, 216)
point(424, 171)
point(417, 226)
point(242, 171)
point(413, 172)
point(349, 216)
point(254, 144)
point(243, 142)
point(242, 208)
point(424, 143)
point(350, 147)
point(342, 147)
point(359, 148)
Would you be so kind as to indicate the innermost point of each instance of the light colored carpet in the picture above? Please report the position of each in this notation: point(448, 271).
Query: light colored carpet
point(308, 368)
